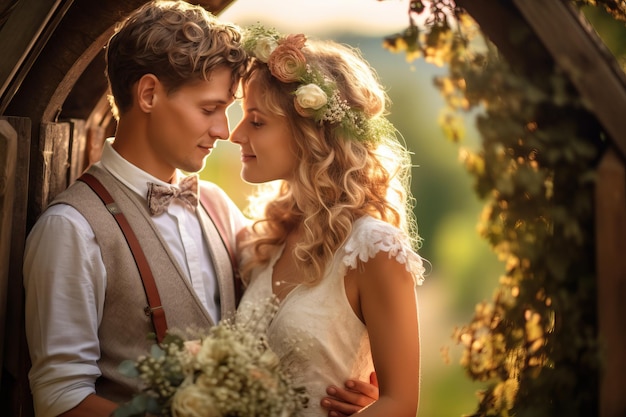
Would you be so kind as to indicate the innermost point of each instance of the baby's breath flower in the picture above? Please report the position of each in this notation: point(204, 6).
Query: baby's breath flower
point(336, 110)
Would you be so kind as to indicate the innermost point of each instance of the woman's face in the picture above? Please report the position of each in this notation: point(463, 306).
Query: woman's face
point(267, 146)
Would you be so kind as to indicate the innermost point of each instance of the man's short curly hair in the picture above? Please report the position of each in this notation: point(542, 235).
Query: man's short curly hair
point(174, 40)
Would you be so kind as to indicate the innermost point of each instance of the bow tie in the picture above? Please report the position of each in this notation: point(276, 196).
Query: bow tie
point(160, 196)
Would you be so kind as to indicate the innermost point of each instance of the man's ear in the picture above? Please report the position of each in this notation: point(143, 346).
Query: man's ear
point(146, 92)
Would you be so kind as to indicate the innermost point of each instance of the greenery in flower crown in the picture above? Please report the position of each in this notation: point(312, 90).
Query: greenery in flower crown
point(317, 97)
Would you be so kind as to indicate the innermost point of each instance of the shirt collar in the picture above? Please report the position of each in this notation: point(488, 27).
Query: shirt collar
point(131, 176)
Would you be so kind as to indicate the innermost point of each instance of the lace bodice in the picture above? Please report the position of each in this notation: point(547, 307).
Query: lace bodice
point(315, 332)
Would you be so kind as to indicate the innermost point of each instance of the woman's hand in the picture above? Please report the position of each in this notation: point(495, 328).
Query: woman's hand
point(349, 400)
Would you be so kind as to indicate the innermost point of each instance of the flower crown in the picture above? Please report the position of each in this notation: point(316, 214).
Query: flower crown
point(317, 97)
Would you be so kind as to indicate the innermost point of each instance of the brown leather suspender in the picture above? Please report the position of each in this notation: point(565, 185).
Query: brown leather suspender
point(154, 309)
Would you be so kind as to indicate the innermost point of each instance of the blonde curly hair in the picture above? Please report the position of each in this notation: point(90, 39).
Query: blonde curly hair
point(174, 40)
point(339, 179)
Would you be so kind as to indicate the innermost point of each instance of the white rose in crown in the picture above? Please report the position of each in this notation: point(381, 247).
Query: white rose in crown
point(264, 48)
point(311, 96)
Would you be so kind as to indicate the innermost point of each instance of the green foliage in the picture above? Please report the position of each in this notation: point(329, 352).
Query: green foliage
point(535, 343)
point(617, 8)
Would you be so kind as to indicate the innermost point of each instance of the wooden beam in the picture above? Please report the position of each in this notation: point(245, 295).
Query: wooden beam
point(579, 51)
point(610, 231)
point(25, 32)
point(502, 24)
point(555, 27)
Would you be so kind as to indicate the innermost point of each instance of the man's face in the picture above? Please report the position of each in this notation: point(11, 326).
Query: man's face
point(184, 125)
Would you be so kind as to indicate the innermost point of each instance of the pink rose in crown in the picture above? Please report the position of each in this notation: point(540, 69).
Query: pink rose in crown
point(287, 63)
point(294, 40)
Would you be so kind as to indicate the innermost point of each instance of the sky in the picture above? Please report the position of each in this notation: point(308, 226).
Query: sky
point(373, 17)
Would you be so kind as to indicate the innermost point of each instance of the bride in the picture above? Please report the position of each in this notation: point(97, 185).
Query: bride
point(333, 241)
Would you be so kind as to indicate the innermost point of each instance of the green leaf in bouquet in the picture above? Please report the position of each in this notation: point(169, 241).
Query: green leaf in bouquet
point(156, 352)
point(137, 407)
point(128, 368)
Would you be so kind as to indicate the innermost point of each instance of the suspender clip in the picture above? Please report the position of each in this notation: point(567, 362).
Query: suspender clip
point(149, 310)
point(113, 208)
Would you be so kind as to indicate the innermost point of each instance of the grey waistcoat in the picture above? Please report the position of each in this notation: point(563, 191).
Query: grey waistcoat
point(124, 329)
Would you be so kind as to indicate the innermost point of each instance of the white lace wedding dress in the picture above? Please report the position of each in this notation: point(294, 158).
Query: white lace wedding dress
point(315, 331)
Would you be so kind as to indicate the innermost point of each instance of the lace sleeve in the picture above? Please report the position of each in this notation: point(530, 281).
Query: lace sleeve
point(371, 236)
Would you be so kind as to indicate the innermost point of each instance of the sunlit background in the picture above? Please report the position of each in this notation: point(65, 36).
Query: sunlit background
point(464, 271)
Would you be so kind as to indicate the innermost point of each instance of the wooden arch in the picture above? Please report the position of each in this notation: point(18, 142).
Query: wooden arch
point(53, 107)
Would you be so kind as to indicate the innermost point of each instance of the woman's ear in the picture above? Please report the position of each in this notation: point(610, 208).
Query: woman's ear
point(146, 92)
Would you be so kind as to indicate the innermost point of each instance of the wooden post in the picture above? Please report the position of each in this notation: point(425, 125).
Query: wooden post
point(15, 361)
point(8, 157)
point(77, 149)
point(610, 231)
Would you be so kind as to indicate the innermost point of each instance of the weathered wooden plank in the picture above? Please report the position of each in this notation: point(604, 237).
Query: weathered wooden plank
point(50, 173)
point(610, 232)
point(8, 158)
point(77, 147)
point(579, 51)
point(59, 166)
point(15, 363)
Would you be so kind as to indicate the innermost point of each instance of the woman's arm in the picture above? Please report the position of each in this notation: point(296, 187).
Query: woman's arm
point(389, 310)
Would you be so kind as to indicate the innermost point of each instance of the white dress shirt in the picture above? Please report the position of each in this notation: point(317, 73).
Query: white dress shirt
point(65, 281)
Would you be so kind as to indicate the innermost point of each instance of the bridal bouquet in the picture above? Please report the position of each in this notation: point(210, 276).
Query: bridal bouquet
point(231, 372)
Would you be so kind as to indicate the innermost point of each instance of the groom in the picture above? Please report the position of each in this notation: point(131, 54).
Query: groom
point(173, 70)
